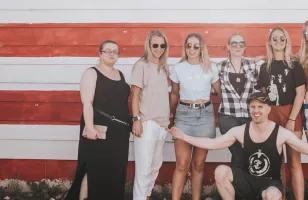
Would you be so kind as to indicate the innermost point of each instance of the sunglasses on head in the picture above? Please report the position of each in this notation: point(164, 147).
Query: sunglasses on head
point(241, 44)
point(162, 46)
point(191, 46)
point(281, 39)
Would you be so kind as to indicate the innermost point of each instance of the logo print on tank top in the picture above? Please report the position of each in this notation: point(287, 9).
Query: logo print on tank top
point(259, 164)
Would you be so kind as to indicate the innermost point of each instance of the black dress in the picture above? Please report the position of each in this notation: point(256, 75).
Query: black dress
point(105, 161)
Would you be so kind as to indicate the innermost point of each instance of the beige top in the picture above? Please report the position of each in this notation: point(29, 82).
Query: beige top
point(154, 96)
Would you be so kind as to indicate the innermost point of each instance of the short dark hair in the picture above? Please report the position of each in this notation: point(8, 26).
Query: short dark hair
point(101, 46)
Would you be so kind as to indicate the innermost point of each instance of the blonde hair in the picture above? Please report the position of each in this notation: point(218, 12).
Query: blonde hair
point(303, 51)
point(204, 54)
point(287, 50)
point(147, 49)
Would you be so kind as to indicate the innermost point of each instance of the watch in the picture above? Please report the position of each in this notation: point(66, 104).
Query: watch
point(136, 118)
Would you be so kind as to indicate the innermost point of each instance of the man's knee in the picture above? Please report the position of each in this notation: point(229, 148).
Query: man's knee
point(223, 173)
point(271, 193)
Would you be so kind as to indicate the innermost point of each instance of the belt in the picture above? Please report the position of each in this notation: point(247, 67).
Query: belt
point(196, 105)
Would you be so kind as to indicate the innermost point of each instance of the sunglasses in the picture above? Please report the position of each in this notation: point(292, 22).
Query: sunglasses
point(281, 39)
point(240, 44)
point(110, 52)
point(191, 46)
point(162, 46)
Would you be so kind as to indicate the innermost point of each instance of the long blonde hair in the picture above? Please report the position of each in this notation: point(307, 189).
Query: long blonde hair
point(287, 50)
point(147, 49)
point(204, 54)
point(303, 51)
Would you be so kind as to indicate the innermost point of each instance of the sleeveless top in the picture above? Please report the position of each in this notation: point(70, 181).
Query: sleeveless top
point(111, 96)
point(262, 159)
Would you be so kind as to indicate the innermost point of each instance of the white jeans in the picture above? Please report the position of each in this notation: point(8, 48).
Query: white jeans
point(148, 158)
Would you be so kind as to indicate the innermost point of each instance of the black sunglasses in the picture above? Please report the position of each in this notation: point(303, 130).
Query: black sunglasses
point(162, 46)
point(195, 46)
point(281, 38)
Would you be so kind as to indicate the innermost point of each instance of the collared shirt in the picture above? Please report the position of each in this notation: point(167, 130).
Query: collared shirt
point(232, 103)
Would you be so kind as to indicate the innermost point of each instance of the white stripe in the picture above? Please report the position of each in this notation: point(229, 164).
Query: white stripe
point(60, 142)
point(54, 73)
point(154, 16)
point(171, 11)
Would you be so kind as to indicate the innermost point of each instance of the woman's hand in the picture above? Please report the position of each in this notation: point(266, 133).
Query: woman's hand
point(92, 134)
point(290, 125)
point(176, 133)
point(137, 128)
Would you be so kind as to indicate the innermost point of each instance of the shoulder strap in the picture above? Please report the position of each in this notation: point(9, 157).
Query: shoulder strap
point(246, 134)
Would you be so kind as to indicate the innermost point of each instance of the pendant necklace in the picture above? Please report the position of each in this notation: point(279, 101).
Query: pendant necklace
point(238, 79)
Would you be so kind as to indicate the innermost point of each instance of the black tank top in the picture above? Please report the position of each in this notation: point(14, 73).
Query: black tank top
point(262, 159)
point(111, 96)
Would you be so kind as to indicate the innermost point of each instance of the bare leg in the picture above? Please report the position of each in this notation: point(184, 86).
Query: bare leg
point(198, 158)
point(84, 188)
point(271, 193)
point(183, 157)
point(295, 166)
point(224, 178)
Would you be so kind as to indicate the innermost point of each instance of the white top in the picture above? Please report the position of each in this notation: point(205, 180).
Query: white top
point(195, 82)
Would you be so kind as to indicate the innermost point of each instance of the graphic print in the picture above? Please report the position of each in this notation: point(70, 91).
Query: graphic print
point(259, 164)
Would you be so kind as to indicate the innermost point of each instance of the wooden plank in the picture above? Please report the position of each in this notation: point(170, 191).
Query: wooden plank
point(83, 39)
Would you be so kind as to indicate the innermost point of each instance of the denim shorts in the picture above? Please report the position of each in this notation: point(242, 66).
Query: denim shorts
point(198, 122)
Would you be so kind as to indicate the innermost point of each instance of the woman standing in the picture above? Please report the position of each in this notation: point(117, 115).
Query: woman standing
point(102, 154)
point(150, 108)
point(303, 57)
point(237, 76)
point(284, 80)
point(192, 79)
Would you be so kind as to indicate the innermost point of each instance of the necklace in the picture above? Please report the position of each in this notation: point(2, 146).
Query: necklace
point(238, 79)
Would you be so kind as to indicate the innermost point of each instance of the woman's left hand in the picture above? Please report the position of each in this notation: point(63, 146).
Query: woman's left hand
point(290, 125)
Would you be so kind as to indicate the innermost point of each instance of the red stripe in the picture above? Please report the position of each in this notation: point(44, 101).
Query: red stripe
point(44, 107)
point(83, 39)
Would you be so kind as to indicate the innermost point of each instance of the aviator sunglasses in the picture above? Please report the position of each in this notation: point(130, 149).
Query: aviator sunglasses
point(281, 39)
point(241, 44)
point(190, 46)
point(155, 46)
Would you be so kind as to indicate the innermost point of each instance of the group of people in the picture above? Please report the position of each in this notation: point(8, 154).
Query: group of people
point(260, 109)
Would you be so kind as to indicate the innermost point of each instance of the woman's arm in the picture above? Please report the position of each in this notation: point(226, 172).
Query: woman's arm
point(137, 125)
point(87, 91)
point(297, 104)
point(173, 101)
point(216, 87)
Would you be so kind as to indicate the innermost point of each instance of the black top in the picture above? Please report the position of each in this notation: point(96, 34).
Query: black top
point(238, 81)
point(114, 102)
point(105, 161)
point(281, 81)
point(262, 159)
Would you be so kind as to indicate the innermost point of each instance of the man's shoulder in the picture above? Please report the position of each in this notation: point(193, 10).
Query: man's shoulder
point(238, 129)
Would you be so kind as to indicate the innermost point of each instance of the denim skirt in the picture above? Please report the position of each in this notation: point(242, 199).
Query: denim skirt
point(198, 122)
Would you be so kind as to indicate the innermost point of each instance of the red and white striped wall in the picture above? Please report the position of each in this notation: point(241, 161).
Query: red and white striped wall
point(45, 47)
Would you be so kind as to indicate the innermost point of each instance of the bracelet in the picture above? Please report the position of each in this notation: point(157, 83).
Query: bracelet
point(292, 119)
